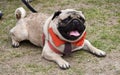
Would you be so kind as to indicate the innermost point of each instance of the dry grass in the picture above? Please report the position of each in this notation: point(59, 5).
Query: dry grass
point(103, 30)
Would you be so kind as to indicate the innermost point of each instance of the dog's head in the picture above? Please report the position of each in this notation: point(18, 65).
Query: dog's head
point(68, 24)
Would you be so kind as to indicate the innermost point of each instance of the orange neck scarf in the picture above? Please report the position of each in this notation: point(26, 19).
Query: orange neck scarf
point(57, 41)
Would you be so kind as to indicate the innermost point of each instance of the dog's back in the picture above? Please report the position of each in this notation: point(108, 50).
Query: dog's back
point(28, 27)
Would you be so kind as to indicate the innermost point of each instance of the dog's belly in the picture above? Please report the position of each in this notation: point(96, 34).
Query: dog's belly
point(35, 35)
point(35, 38)
point(35, 28)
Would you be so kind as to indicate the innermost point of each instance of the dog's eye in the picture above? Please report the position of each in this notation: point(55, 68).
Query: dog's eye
point(66, 20)
point(82, 19)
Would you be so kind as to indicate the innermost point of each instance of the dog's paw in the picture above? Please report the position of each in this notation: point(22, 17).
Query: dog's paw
point(64, 65)
point(100, 53)
point(15, 44)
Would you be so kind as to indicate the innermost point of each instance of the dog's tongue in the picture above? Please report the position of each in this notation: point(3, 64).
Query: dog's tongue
point(74, 33)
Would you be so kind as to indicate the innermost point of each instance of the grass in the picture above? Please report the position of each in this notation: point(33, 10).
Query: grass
point(103, 31)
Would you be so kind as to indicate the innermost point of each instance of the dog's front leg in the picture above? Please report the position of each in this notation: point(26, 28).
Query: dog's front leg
point(52, 56)
point(88, 46)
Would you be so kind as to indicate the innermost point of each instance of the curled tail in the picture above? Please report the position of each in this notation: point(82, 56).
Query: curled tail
point(29, 6)
point(20, 13)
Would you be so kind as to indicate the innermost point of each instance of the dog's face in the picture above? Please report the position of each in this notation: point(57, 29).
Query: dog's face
point(69, 24)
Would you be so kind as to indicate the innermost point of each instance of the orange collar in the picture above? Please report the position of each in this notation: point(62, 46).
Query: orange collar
point(57, 41)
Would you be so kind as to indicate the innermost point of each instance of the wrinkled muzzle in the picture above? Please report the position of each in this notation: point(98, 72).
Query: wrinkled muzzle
point(72, 30)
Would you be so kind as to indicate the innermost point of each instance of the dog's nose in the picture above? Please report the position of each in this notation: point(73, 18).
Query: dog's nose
point(76, 22)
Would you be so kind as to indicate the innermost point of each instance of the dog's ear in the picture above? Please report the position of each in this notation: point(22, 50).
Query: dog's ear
point(57, 13)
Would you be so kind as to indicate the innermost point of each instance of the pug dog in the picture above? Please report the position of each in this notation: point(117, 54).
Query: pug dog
point(65, 32)
point(59, 34)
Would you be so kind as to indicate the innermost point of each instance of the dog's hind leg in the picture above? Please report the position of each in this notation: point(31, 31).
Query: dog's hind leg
point(15, 43)
point(18, 34)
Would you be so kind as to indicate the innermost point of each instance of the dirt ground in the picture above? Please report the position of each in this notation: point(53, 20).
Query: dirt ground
point(103, 30)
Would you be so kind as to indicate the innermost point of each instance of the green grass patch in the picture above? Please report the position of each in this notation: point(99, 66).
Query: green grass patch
point(34, 68)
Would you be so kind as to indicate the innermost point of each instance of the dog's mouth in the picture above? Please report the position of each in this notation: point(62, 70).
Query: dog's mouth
point(71, 34)
point(74, 33)
point(72, 30)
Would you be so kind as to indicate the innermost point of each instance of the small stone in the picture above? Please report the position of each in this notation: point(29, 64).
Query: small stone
point(88, 60)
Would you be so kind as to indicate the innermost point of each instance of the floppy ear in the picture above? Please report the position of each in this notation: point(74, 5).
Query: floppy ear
point(57, 13)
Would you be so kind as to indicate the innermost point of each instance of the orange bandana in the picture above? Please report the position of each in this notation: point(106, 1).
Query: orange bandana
point(57, 41)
